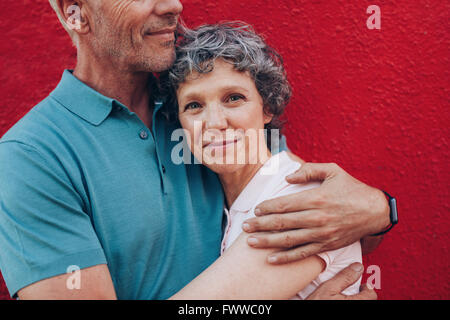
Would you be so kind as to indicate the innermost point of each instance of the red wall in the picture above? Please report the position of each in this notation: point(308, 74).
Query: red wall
point(374, 101)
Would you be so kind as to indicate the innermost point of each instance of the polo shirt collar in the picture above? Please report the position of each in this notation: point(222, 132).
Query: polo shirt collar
point(81, 99)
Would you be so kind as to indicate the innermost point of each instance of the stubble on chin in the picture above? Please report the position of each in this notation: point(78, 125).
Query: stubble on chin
point(133, 53)
point(155, 62)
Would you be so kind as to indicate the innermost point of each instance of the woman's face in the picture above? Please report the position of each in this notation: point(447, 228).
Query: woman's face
point(223, 118)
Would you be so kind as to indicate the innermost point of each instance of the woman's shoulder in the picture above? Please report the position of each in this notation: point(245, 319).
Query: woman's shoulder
point(276, 169)
point(279, 166)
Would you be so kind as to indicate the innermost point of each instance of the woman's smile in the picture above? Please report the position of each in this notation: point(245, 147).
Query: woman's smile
point(221, 144)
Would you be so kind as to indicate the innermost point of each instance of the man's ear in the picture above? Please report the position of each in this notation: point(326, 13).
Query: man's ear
point(75, 15)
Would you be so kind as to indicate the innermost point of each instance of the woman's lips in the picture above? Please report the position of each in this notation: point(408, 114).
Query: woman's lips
point(221, 144)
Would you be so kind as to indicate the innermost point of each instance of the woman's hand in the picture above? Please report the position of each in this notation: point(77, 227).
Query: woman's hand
point(339, 212)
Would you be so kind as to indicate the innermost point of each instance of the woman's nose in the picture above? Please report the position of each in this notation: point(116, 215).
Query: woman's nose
point(215, 118)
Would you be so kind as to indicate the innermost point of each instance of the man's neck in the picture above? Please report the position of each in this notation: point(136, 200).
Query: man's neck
point(129, 88)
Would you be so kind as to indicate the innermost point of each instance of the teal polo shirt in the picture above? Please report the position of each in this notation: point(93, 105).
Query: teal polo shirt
point(84, 182)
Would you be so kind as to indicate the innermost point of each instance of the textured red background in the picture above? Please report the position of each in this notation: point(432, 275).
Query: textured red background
point(374, 101)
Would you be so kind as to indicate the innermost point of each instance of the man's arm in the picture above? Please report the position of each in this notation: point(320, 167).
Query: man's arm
point(370, 243)
point(44, 229)
point(95, 283)
point(341, 211)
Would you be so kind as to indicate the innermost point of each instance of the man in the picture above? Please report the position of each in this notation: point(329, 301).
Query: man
point(87, 182)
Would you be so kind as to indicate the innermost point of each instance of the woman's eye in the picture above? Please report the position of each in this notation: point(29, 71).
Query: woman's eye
point(192, 105)
point(235, 97)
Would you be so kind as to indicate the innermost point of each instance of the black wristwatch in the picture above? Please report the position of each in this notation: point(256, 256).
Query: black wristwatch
point(393, 216)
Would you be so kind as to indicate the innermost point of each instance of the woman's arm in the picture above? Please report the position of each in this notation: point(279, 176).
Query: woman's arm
point(242, 273)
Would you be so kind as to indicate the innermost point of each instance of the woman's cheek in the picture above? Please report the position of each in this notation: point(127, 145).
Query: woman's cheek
point(188, 132)
point(243, 116)
point(196, 137)
point(198, 145)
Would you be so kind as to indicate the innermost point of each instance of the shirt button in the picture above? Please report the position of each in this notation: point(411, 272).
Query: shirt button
point(143, 134)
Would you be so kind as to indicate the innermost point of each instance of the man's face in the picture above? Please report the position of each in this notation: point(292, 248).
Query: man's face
point(138, 35)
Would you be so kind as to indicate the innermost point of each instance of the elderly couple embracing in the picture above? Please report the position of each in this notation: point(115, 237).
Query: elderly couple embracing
point(88, 179)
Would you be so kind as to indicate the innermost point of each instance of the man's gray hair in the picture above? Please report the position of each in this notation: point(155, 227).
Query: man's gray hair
point(237, 43)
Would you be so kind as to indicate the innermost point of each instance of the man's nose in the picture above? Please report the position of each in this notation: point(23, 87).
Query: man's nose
point(173, 7)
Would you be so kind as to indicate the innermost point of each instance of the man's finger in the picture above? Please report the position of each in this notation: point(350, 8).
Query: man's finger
point(365, 294)
point(313, 172)
point(283, 222)
point(299, 201)
point(295, 254)
point(346, 277)
point(284, 240)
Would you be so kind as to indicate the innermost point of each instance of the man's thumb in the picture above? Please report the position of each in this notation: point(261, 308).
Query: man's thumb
point(348, 276)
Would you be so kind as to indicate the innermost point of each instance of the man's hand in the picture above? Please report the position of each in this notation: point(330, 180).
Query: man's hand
point(336, 214)
point(332, 289)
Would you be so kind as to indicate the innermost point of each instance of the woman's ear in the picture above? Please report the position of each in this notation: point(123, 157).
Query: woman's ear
point(267, 117)
point(75, 15)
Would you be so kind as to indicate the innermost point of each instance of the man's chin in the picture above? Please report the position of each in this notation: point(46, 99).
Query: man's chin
point(160, 63)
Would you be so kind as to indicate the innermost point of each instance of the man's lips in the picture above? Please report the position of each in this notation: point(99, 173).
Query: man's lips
point(162, 32)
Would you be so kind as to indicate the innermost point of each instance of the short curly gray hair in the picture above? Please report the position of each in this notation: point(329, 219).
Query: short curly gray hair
point(237, 43)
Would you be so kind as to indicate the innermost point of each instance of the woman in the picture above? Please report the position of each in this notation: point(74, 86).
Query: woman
point(231, 86)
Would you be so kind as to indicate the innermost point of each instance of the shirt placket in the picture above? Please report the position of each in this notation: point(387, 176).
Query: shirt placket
point(155, 127)
point(148, 135)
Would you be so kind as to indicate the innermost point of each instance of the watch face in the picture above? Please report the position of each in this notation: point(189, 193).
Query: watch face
point(394, 215)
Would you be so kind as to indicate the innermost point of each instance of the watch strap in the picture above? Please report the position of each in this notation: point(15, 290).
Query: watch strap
point(393, 214)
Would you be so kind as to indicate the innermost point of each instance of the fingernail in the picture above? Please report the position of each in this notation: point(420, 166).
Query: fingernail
point(357, 267)
point(257, 211)
point(246, 227)
point(252, 241)
point(272, 259)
